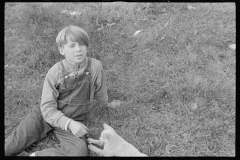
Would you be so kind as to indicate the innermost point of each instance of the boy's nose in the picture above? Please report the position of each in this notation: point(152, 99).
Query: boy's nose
point(78, 47)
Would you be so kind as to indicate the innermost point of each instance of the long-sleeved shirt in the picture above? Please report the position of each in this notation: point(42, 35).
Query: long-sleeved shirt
point(50, 94)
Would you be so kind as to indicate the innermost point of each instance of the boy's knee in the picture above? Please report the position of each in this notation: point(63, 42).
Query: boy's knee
point(82, 149)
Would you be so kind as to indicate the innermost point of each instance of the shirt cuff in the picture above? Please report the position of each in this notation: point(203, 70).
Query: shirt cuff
point(62, 122)
point(103, 102)
point(66, 125)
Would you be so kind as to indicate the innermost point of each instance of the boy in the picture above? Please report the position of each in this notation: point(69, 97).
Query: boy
point(67, 90)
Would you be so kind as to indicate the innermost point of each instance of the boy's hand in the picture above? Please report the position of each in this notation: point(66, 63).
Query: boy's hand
point(114, 104)
point(78, 129)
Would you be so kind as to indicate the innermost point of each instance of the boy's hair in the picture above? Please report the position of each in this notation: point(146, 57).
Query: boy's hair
point(73, 33)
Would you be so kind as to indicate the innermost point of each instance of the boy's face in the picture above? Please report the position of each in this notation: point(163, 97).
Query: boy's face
point(74, 52)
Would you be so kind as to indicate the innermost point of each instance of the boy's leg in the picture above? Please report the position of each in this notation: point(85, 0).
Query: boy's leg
point(70, 145)
point(30, 130)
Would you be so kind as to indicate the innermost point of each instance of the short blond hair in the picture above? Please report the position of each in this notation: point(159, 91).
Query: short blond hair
point(73, 33)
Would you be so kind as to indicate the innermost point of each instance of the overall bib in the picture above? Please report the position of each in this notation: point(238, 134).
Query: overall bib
point(73, 101)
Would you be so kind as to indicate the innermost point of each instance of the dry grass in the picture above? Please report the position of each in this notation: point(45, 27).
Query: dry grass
point(176, 78)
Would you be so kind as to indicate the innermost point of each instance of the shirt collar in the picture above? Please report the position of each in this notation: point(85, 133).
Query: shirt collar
point(72, 68)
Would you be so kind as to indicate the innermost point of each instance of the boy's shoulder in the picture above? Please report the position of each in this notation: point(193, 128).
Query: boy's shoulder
point(55, 69)
point(95, 64)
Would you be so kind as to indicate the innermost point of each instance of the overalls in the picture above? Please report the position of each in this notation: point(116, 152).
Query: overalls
point(73, 100)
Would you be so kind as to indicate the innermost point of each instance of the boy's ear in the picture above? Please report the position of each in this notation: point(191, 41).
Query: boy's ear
point(61, 50)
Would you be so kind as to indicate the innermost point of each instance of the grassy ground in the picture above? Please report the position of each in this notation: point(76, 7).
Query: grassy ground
point(176, 78)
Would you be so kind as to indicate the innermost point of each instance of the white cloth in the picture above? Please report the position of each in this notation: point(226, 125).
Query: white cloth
point(32, 155)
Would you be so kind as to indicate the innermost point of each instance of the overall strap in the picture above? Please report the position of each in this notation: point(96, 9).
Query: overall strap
point(88, 68)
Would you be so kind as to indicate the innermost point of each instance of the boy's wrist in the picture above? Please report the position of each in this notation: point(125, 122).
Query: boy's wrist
point(67, 126)
point(104, 104)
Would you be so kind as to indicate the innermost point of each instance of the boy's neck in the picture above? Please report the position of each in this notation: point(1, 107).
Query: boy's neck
point(72, 67)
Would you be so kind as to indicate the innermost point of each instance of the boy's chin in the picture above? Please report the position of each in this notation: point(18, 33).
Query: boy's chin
point(78, 61)
point(81, 59)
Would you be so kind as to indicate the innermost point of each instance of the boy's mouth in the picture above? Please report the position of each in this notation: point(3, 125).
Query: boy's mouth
point(79, 56)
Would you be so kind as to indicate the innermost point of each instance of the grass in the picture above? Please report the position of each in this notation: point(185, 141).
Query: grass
point(176, 78)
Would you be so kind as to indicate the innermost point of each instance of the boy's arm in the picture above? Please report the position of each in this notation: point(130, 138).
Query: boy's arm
point(101, 90)
point(48, 104)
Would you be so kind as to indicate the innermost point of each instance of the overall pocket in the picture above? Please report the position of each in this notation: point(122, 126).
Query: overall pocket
point(68, 110)
point(67, 86)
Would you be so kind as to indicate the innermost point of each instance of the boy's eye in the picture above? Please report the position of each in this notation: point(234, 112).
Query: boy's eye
point(72, 45)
